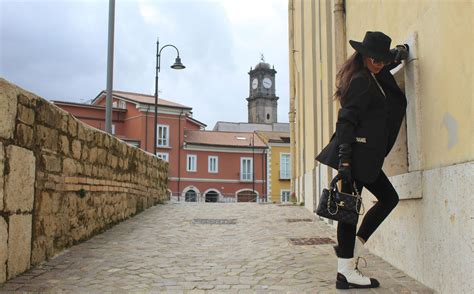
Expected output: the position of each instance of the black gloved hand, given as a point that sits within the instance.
(400, 52)
(344, 169)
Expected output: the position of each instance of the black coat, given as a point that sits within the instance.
(369, 121)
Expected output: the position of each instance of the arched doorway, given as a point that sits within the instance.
(247, 196)
(212, 196)
(190, 196)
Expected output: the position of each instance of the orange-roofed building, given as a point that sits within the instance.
(203, 165)
(133, 120)
(221, 166)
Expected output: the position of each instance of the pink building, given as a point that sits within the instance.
(221, 166)
(203, 165)
(133, 119)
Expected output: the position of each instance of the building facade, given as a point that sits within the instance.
(278, 165)
(429, 234)
(203, 165)
(221, 167)
(133, 119)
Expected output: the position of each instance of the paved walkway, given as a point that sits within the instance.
(167, 249)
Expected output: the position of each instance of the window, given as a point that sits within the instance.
(114, 104)
(113, 129)
(191, 163)
(121, 104)
(246, 169)
(285, 166)
(190, 196)
(163, 136)
(162, 155)
(212, 164)
(285, 196)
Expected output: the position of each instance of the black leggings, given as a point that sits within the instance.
(387, 200)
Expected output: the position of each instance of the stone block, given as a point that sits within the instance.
(24, 135)
(48, 114)
(69, 166)
(106, 141)
(2, 167)
(20, 180)
(3, 249)
(102, 156)
(51, 163)
(8, 101)
(72, 126)
(409, 185)
(88, 169)
(87, 134)
(19, 244)
(93, 154)
(28, 99)
(46, 138)
(76, 149)
(124, 150)
(41, 247)
(64, 145)
(85, 153)
(26, 115)
(49, 225)
(112, 160)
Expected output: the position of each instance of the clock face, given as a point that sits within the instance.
(255, 83)
(267, 83)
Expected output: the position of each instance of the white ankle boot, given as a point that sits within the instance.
(348, 276)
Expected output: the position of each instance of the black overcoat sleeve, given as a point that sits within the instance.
(392, 65)
(355, 103)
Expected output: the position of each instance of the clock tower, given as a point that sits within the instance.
(262, 101)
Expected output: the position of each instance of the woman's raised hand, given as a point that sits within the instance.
(400, 52)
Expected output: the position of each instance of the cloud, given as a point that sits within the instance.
(58, 49)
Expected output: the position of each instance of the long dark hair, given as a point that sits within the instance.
(352, 65)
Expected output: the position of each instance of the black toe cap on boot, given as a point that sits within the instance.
(374, 283)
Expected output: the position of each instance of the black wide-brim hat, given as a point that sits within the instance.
(375, 45)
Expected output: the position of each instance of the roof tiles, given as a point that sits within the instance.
(232, 139)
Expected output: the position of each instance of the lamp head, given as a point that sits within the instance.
(177, 64)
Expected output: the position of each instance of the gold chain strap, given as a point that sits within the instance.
(358, 196)
(329, 201)
(359, 199)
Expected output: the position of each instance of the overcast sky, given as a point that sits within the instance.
(58, 50)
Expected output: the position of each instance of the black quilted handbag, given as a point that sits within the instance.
(340, 206)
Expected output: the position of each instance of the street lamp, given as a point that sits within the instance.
(253, 165)
(177, 65)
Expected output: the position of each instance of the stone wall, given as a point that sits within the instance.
(62, 181)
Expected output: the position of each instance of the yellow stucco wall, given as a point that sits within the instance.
(313, 76)
(441, 136)
(276, 184)
(446, 44)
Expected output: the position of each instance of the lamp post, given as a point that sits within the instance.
(177, 65)
(253, 165)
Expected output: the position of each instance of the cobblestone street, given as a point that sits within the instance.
(181, 248)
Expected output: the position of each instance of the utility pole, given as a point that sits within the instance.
(110, 68)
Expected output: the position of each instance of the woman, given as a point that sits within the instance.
(372, 110)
